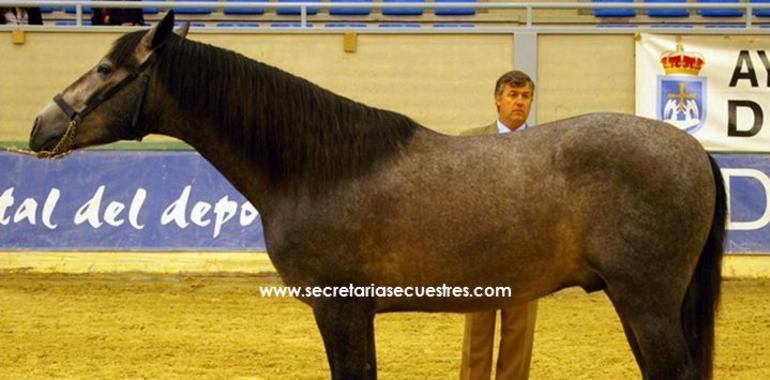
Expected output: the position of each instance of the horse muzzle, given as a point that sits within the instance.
(47, 129)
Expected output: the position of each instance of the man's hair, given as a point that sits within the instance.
(513, 78)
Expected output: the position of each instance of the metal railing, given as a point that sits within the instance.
(527, 7)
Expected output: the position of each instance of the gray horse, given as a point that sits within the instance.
(350, 194)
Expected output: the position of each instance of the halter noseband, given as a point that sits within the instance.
(77, 116)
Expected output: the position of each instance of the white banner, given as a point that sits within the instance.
(716, 88)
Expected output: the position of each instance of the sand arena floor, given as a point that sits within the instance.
(218, 327)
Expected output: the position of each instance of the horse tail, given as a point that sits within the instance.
(702, 299)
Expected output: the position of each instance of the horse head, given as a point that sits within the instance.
(106, 103)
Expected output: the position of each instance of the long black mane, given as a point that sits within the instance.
(298, 132)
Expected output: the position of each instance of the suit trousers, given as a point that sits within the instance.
(517, 332)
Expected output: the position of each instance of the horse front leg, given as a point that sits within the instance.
(347, 329)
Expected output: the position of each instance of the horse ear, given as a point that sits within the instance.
(160, 32)
(182, 30)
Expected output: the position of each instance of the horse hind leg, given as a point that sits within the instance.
(347, 329)
(653, 326)
(648, 298)
(635, 349)
(371, 350)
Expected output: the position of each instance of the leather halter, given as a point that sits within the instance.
(132, 132)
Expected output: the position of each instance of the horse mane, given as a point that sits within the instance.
(299, 133)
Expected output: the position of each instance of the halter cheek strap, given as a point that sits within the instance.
(140, 106)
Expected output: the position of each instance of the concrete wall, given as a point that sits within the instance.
(584, 73)
(443, 81)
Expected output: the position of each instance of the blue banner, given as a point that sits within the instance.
(160, 201)
(747, 179)
(148, 201)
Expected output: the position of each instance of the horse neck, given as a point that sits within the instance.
(202, 134)
(282, 131)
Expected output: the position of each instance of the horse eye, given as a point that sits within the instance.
(104, 69)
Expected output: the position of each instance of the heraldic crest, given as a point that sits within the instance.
(681, 95)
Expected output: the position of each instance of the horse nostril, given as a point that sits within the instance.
(35, 127)
(34, 145)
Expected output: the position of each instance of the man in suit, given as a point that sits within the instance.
(513, 97)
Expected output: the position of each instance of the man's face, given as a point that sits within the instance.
(513, 105)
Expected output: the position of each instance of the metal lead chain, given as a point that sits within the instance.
(62, 149)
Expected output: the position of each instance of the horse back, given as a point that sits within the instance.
(525, 210)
